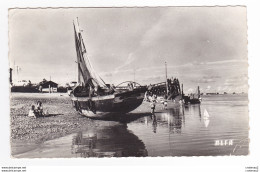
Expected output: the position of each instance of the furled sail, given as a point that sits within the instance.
(87, 75)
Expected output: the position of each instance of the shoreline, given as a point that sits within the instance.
(28, 133)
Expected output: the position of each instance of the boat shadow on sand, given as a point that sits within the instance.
(45, 116)
(52, 115)
(130, 117)
(133, 116)
(123, 118)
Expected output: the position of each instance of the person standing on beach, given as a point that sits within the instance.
(165, 104)
(153, 103)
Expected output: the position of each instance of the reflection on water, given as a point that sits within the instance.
(85, 146)
(206, 118)
(193, 130)
(174, 118)
(113, 141)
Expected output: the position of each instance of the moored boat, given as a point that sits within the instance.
(193, 98)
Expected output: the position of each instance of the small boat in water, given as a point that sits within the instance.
(92, 97)
(193, 98)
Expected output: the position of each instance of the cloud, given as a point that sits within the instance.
(204, 45)
(152, 78)
(208, 87)
(206, 79)
(108, 74)
(128, 61)
(236, 80)
(228, 84)
(227, 61)
(190, 90)
(203, 80)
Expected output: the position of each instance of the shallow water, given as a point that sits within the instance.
(178, 131)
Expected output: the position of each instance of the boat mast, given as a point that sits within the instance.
(86, 73)
(78, 61)
(182, 91)
(198, 91)
(79, 73)
(166, 78)
(134, 74)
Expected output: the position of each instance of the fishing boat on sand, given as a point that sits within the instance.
(92, 97)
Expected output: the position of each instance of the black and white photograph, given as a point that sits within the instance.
(128, 82)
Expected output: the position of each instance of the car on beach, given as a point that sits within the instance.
(22, 83)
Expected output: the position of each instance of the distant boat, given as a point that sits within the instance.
(193, 98)
(92, 97)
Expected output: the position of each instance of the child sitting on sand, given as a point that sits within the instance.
(39, 110)
(32, 112)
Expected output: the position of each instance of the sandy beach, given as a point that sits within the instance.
(62, 119)
(28, 133)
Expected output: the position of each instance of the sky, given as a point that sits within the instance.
(203, 46)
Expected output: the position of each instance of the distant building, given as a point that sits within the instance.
(211, 93)
(48, 86)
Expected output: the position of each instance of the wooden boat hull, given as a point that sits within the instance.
(194, 101)
(101, 106)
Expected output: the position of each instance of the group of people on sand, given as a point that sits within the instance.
(37, 111)
(154, 101)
